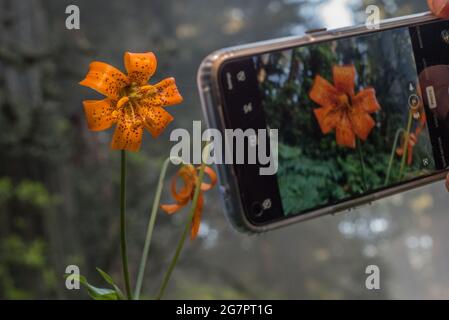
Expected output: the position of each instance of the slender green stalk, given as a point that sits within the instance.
(184, 234)
(406, 143)
(151, 223)
(393, 151)
(362, 164)
(123, 224)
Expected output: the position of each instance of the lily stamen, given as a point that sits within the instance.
(147, 90)
(121, 103)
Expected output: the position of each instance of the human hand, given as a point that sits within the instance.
(439, 8)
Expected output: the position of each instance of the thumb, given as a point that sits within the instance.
(447, 182)
(439, 8)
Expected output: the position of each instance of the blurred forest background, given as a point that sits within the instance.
(327, 171)
(59, 182)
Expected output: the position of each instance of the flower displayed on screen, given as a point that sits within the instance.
(189, 176)
(412, 141)
(131, 103)
(342, 110)
(413, 137)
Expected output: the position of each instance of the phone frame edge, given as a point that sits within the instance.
(212, 106)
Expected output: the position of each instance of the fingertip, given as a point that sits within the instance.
(440, 8)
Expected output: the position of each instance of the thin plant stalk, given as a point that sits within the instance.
(406, 143)
(362, 164)
(123, 224)
(150, 228)
(393, 151)
(184, 234)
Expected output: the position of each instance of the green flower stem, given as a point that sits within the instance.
(362, 164)
(406, 143)
(393, 151)
(184, 234)
(151, 223)
(123, 224)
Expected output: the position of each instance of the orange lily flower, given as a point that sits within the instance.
(343, 110)
(413, 139)
(189, 176)
(131, 103)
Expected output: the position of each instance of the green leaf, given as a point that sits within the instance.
(105, 276)
(95, 292)
(100, 293)
(109, 280)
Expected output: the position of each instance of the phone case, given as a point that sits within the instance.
(207, 80)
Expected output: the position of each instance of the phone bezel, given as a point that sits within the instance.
(212, 104)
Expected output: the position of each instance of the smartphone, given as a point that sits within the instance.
(360, 114)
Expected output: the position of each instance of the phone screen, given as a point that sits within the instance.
(354, 116)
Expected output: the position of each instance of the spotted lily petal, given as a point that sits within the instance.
(105, 79)
(165, 94)
(345, 133)
(366, 99)
(323, 93)
(213, 179)
(168, 92)
(171, 208)
(344, 78)
(362, 123)
(127, 135)
(328, 118)
(187, 173)
(155, 119)
(99, 114)
(140, 66)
